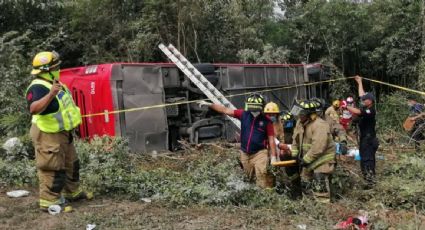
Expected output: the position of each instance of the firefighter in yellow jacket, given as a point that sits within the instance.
(54, 116)
(332, 116)
(314, 147)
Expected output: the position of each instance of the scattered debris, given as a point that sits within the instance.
(90, 226)
(18, 193)
(302, 226)
(146, 200)
(11, 144)
(354, 153)
(54, 209)
(154, 154)
(359, 222)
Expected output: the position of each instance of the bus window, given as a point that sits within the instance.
(84, 127)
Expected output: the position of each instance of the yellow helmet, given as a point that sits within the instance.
(44, 62)
(255, 103)
(305, 107)
(286, 116)
(271, 107)
(336, 103)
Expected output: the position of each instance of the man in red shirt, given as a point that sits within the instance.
(257, 138)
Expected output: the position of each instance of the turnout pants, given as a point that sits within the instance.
(318, 181)
(255, 165)
(293, 173)
(368, 147)
(57, 165)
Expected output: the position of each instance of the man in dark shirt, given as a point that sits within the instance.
(35, 93)
(368, 142)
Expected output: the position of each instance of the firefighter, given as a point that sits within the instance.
(295, 189)
(288, 121)
(314, 148)
(368, 142)
(257, 134)
(271, 110)
(346, 116)
(333, 111)
(415, 114)
(54, 116)
(332, 115)
(321, 105)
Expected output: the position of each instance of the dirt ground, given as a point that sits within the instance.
(108, 213)
(22, 213)
(117, 213)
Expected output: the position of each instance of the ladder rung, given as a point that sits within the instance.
(197, 78)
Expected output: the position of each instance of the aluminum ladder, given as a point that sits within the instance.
(198, 79)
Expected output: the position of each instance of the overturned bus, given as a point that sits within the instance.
(121, 99)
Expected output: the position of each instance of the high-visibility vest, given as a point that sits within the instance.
(65, 119)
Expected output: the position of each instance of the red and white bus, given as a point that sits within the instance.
(111, 87)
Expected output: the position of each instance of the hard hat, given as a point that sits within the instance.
(286, 116)
(255, 103)
(320, 103)
(350, 100)
(336, 103)
(305, 107)
(368, 96)
(271, 107)
(45, 61)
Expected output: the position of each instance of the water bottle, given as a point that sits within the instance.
(357, 155)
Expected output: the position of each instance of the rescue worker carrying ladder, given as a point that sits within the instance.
(54, 116)
(314, 148)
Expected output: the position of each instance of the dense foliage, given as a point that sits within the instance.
(381, 39)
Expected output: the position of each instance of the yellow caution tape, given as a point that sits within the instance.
(396, 86)
(247, 93)
(228, 96)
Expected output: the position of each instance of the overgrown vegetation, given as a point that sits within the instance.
(211, 177)
(381, 40)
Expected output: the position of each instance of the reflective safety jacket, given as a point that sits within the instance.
(66, 118)
(337, 130)
(314, 144)
(278, 131)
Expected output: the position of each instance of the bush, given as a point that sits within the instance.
(108, 169)
(404, 183)
(23, 149)
(391, 114)
(16, 165)
(17, 173)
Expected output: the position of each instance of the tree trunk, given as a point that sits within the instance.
(178, 25)
(421, 78)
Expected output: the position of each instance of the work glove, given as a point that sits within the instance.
(302, 163)
(204, 104)
(273, 159)
(343, 147)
